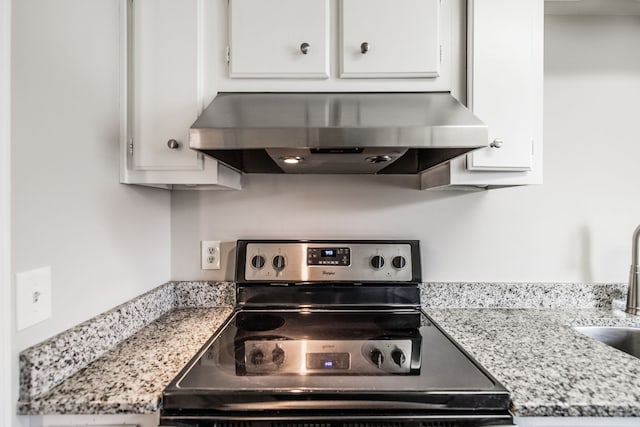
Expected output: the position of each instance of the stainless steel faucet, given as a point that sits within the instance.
(633, 296)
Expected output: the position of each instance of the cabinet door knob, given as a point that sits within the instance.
(173, 144)
(364, 47)
(304, 48)
(496, 143)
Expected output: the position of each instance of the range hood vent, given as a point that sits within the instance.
(336, 133)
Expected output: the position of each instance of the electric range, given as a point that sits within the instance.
(329, 333)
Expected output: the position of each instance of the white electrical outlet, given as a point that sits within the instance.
(210, 255)
(33, 297)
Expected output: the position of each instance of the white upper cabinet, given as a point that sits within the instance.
(279, 39)
(165, 91)
(502, 70)
(163, 68)
(292, 38)
(505, 85)
(389, 38)
(338, 45)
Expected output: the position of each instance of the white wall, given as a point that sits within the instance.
(575, 227)
(105, 242)
(6, 355)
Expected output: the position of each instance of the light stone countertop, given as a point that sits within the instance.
(120, 361)
(550, 369)
(130, 378)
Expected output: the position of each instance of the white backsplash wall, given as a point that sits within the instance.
(576, 227)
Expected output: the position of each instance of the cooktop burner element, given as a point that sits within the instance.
(259, 322)
(392, 322)
(331, 333)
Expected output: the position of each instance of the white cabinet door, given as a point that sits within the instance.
(279, 38)
(163, 68)
(503, 70)
(390, 38)
(506, 52)
(165, 83)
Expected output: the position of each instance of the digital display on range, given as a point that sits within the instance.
(340, 257)
(328, 360)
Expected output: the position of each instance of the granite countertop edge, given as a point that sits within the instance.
(591, 411)
(43, 407)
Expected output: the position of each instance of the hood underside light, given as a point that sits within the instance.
(292, 160)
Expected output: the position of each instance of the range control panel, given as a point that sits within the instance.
(302, 357)
(368, 261)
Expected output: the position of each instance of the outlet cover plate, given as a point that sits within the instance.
(33, 297)
(210, 255)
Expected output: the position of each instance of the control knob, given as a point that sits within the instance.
(257, 261)
(277, 355)
(377, 262)
(399, 262)
(398, 357)
(256, 357)
(278, 262)
(377, 357)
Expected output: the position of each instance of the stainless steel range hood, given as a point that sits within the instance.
(336, 133)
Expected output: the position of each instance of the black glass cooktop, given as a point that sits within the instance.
(331, 350)
(319, 363)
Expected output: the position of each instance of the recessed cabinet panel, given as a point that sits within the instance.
(502, 76)
(390, 38)
(279, 38)
(165, 83)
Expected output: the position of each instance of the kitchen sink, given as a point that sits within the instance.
(626, 339)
